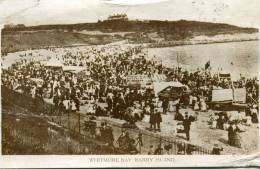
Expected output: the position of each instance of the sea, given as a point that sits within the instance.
(237, 58)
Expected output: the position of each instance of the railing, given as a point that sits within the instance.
(76, 121)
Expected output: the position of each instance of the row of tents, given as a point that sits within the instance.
(174, 89)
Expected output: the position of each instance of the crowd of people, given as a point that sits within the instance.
(107, 68)
(104, 80)
(234, 123)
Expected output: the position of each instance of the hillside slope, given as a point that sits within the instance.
(22, 38)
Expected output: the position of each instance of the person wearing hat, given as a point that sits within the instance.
(110, 103)
(151, 150)
(102, 130)
(158, 150)
(108, 134)
(167, 149)
(152, 120)
(216, 149)
(186, 125)
(254, 114)
(120, 138)
(165, 105)
(125, 142)
(158, 120)
(232, 134)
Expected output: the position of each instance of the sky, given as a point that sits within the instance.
(244, 13)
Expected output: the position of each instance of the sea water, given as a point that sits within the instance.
(233, 57)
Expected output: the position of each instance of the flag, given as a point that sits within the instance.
(207, 65)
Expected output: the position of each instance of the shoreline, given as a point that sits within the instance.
(146, 45)
(189, 43)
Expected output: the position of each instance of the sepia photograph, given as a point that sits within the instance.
(121, 77)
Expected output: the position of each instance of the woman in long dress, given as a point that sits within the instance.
(190, 100)
(237, 138)
(254, 115)
(73, 106)
(248, 120)
(230, 135)
(233, 136)
(203, 105)
(196, 106)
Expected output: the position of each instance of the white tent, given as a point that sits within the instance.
(54, 62)
(73, 68)
(159, 86)
(222, 95)
(236, 95)
(159, 78)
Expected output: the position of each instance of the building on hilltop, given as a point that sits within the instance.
(121, 17)
(7, 26)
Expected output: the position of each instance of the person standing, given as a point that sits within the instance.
(158, 120)
(121, 105)
(231, 134)
(254, 114)
(216, 150)
(109, 137)
(110, 103)
(152, 120)
(220, 122)
(186, 125)
(158, 150)
(151, 150)
(165, 106)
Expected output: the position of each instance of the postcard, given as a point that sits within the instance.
(129, 83)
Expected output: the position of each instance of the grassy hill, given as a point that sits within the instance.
(21, 38)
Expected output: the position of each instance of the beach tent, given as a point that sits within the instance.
(169, 89)
(74, 69)
(221, 95)
(240, 95)
(159, 78)
(159, 86)
(138, 79)
(224, 95)
(228, 99)
(54, 62)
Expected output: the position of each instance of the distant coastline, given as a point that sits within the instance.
(185, 43)
(147, 45)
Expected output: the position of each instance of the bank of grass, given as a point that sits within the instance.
(26, 134)
(23, 40)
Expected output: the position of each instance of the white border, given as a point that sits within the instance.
(69, 161)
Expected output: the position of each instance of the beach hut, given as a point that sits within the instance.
(171, 90)
(228, 99)
(73, 69)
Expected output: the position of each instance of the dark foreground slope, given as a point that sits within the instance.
(24, 133)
